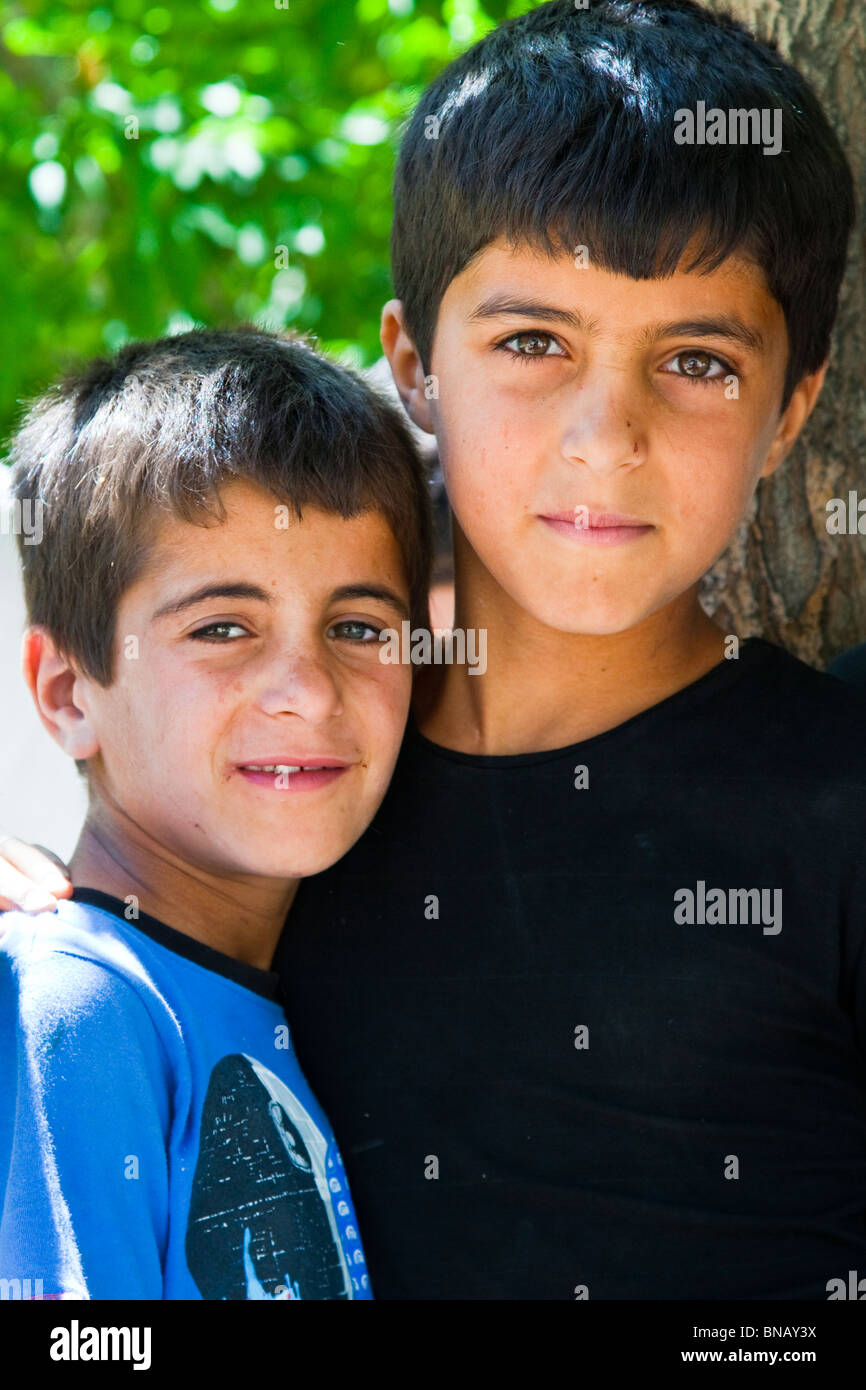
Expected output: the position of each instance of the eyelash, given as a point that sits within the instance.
(727, 369)
(357, 622)
(523, 357)
(203, 634)
(502, 345)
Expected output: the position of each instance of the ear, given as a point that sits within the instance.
(57, 691)
(794, 417)
(407, 368)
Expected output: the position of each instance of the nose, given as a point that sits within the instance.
(301, 683)
(603, 430)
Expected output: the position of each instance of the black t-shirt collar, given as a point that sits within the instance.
(264, 982)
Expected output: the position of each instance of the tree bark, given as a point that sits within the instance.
(784, 577)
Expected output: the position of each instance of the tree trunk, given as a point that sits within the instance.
(784, 576)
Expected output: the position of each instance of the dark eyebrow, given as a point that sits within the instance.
(722, 326)
(253, 591)
(377, 591)
(498, 304)
(728, 326)
(207, 591)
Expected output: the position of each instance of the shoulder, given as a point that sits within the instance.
(811, 717)
(76, 967)
(48, 942)
(816, 690)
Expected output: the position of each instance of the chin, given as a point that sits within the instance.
(297, 862)
(588, 620)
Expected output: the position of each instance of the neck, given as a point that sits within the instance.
(240, 915)
(547, 689)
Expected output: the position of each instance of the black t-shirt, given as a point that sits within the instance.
(563, 1055)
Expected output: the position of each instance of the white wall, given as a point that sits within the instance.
(41, 795)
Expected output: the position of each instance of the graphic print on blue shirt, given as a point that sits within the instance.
(270, 1214)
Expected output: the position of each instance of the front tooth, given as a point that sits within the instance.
(276, 767)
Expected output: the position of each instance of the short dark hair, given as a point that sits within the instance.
(158, 429)
(557, 129)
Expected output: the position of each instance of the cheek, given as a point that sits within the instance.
(392, 692)
(489, 473)
(161, 708)
(708, 486)
(706, 521)
(378, 709)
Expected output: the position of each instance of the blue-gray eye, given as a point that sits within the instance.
(353, 630)
(217, 632)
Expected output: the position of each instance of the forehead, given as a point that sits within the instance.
(262, 536)
(570, 280)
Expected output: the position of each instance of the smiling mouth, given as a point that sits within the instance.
(293, 777)
(286, 767)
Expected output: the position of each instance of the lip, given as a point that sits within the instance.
(284, 759)
(588, 527)
(601, 521)
(321, 771)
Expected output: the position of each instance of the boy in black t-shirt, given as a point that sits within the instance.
(601, 953)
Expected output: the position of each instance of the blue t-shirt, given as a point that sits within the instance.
(158, 1139)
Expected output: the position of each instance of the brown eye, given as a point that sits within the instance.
(695, 363)
(532, 344)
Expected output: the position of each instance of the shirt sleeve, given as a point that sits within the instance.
(84, 1133)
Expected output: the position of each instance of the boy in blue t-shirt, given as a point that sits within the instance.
(229, 523)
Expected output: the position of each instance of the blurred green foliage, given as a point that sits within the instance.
(201, 162)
